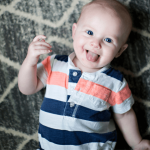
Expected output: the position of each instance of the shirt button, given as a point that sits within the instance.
(72, 104)
(75, 73)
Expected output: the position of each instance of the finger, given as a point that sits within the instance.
(42, 47)
(37, 38)
(42, 40)
(42, 51)
(43, 44)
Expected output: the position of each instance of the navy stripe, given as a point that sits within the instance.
(91, 115)
(53, 106)
(73, 78)
(63, 137)
(114, 74)
(62, 58)
(63, 108)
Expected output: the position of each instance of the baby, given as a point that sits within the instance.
(82, 88)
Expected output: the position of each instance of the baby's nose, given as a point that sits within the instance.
(95, 45)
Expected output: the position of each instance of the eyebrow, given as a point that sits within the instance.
(85, 26)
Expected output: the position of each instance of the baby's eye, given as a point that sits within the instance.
(108, 40)
(89, 32)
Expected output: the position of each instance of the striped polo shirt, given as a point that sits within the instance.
(75, 113)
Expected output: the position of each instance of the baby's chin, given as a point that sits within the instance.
(89, 67)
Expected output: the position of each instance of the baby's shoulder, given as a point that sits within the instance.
(61, 58)
(116, 74)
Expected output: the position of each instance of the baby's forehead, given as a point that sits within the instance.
(111, 6)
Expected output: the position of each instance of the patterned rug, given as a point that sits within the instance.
(20, 22)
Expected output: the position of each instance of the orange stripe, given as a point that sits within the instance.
(93, 89)
(120, 97)
(46, 64)
(55, 78)
(58, 78)
(102, 92)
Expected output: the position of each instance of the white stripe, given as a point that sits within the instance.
(56, 92)
(71, 87)
(123, 107)
(88, 101)
(60, 66)
(123, 84)
(46, 145)
(74, 124)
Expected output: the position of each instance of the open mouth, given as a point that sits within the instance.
(92, 56)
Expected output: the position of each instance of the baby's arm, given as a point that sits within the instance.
(27, 79)
(128, 125)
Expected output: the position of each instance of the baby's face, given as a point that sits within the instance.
(98, 37)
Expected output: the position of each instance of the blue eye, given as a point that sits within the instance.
(89, 32)
(108, 40)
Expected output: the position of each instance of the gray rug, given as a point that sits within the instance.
(20, 22)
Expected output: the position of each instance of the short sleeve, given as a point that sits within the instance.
(122, 100)
(44, 69)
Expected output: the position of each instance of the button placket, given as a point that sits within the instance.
(70, 106)
(74, 76)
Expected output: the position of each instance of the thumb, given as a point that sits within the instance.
(37, 38)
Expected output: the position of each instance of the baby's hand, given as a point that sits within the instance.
(143, 145)
(36, 48)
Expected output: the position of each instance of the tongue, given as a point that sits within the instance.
(91, 56)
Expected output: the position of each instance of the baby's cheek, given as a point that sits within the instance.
(83, 59)
(81, 40)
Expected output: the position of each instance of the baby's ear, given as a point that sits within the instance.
(122, 49)
(74, 26)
